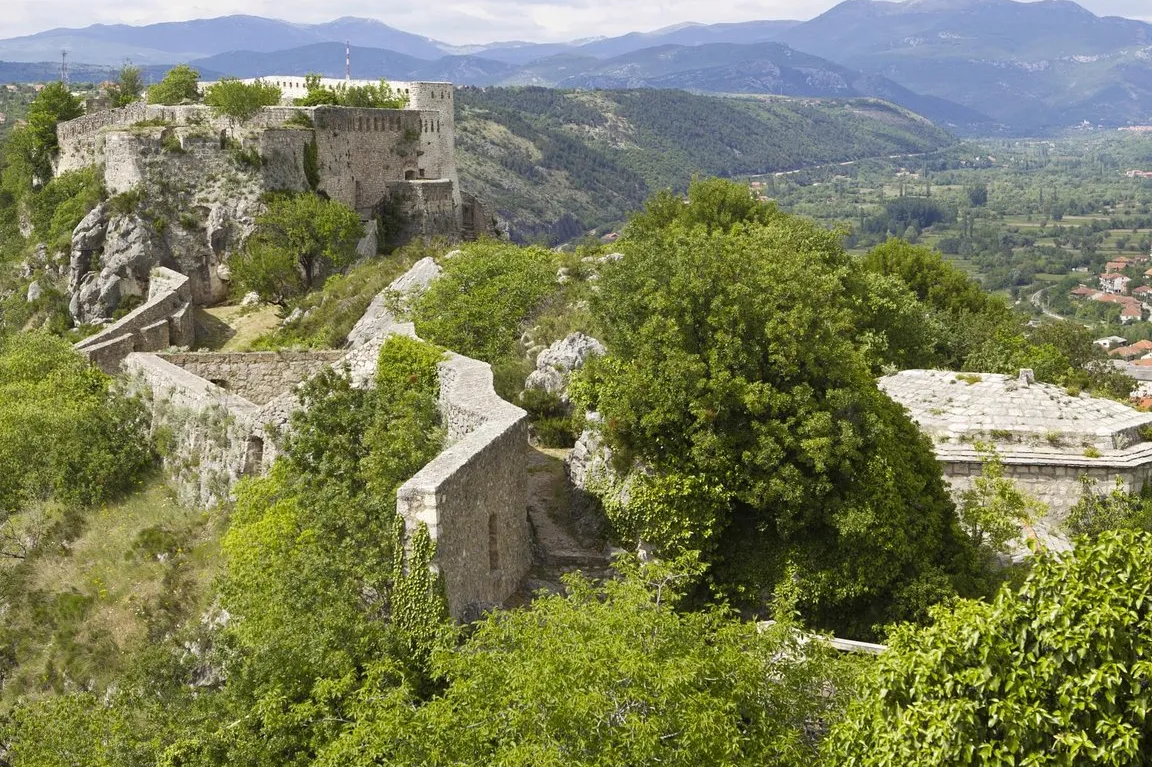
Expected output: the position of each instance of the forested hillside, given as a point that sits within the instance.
(557, 164)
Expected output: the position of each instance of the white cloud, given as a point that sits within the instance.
(459, 21)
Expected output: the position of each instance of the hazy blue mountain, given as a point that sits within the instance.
(186, 40)
(326, 59)
(1034, 66)
(859, 31)
(765, 68)
(681, 34)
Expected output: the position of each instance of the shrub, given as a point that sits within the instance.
(65, 432)
(477, 305)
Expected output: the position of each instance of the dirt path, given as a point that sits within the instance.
(556, 548)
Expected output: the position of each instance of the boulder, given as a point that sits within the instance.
(34, 291)
(554, 365)
(131, 249)
(250, 299)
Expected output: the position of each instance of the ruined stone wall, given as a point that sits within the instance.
(258, 377)
(473, 496)
(1055, 484)
(208, 438)
(164, 320)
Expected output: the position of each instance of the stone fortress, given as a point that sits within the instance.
(1047, 438)
(219, 417)
(200, 179)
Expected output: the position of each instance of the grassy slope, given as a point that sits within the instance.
(129, 573)
(557, 163)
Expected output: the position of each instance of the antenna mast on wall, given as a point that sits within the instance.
(347, 61)
(64, 67)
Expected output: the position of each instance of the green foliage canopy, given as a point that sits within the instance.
(181, 84)
(65, 434)
(372, 96)
(297, 240)
(238, 100)
(477, 305)
(611, 676)
(732, 374)
(1054, 673)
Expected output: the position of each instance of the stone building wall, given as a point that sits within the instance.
(258, 377)
(164, 320)
(1055, 483)
(473, 496)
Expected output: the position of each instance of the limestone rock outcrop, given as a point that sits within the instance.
(555, 365)
(378, 316)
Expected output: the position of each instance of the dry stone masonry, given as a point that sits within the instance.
(199, 179)
(218, 417)
(1047, 438)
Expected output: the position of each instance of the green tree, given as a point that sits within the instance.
(297, 240)
(1097, 512)
(180, 85)
(1051, 673)
(128, 88)
(977, 195)
(238, 100)
(993, 511)
(611, 675)
(477, 305)
(733, 375)
(65, 433)
(36, 144)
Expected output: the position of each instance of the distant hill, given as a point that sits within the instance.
(683, 34)
(762, 68)
(1034, 66)
(558, 163)
(326, 59)
(175, 42)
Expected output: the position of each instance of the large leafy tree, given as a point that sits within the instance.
(733, 375)
(29, 150)
(181, 84)
(1056, 672)
(611, 675)
(238, 100)
(299, 238)
(65, 434)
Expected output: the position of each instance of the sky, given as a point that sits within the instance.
(458, 22)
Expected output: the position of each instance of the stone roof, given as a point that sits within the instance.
(1020, 417)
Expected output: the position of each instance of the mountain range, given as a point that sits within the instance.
(975, 66)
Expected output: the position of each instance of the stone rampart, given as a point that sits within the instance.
(164, 320)
(473, 496)
(218, 418)
(208, 437)
(258, 377)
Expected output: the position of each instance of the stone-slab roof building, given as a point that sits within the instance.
(1046, 437)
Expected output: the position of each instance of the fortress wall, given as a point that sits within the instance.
(360, 150)
(1055, 484)
(283, 153)
(258, 377)
(428, 209)
(208, 438)
(473, 496)
(164, 320)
